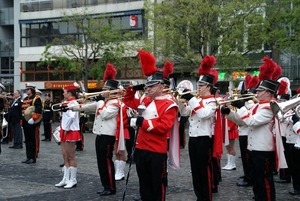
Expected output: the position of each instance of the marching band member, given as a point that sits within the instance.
(154, 126)
(47, 118)
(32, 126)
(282, 93)
(250, 83)
(69, 134)
(294, 165)
(120, 161)
(105, 127)
(261, 144)
(202, 117)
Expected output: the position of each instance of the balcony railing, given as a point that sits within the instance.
(7, 16)
(42, 5)
(7, 48)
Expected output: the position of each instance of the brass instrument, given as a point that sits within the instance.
(107, 94)
(28, 113)
(117, 93)
(237, 98)
(280, 109)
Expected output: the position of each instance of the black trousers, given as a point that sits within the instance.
(130, 142)
(284, 174)
(104, 150)
(47, 129)
(243, 140)
(182, 124)
(200, 159)
(261, 165)
(18, 135)
(31, 134)
(294, 165)
(152, 172)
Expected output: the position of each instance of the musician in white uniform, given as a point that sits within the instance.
(105, 127)
(261, 145)
(202, 117)
(69, 135)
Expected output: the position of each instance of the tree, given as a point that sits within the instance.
(187, 30)
(97, 40)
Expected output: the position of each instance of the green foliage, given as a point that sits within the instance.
(187, 30)
(96, 41)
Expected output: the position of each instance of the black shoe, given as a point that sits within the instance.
(243, 184)
(107, 192)
(18, 147)
(215, 190)
(137, 199)
(25, 161)
(242, 177)
(283, 181)
(12, 147)
(294, 192)
(46, 140)
(62, 165)
(30, 161)
(78, 149)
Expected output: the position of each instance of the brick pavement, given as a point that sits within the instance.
(23, 182)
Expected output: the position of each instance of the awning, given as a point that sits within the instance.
(28, 57)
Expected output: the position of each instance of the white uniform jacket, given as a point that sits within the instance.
(242, 127)
(290, 135)
(70, 119)
(106, 115)
(261, 122)
(202, 116)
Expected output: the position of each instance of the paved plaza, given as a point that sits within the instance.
(22, 182)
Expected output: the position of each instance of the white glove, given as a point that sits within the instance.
(133, 122)
(31, 121)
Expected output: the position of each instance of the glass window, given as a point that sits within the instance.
(25, 29)
(72, 28)
(41, 76)
(29, 77)
(30, 66)
(55, 76)
(35, 30)
(63, 27)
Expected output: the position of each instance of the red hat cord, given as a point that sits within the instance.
(147, 61)
(267, 69)
(283, 88)
(298, 90)
(168, 69)
(110, 72)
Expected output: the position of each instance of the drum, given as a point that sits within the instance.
(56, 135)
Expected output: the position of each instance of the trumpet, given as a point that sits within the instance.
(110, 94)
(237, 97)
(182, 100)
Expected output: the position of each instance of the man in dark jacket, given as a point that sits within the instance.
(14, 117)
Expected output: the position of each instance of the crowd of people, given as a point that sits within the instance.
(148, 121)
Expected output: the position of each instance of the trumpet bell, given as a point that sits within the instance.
(280, 109)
